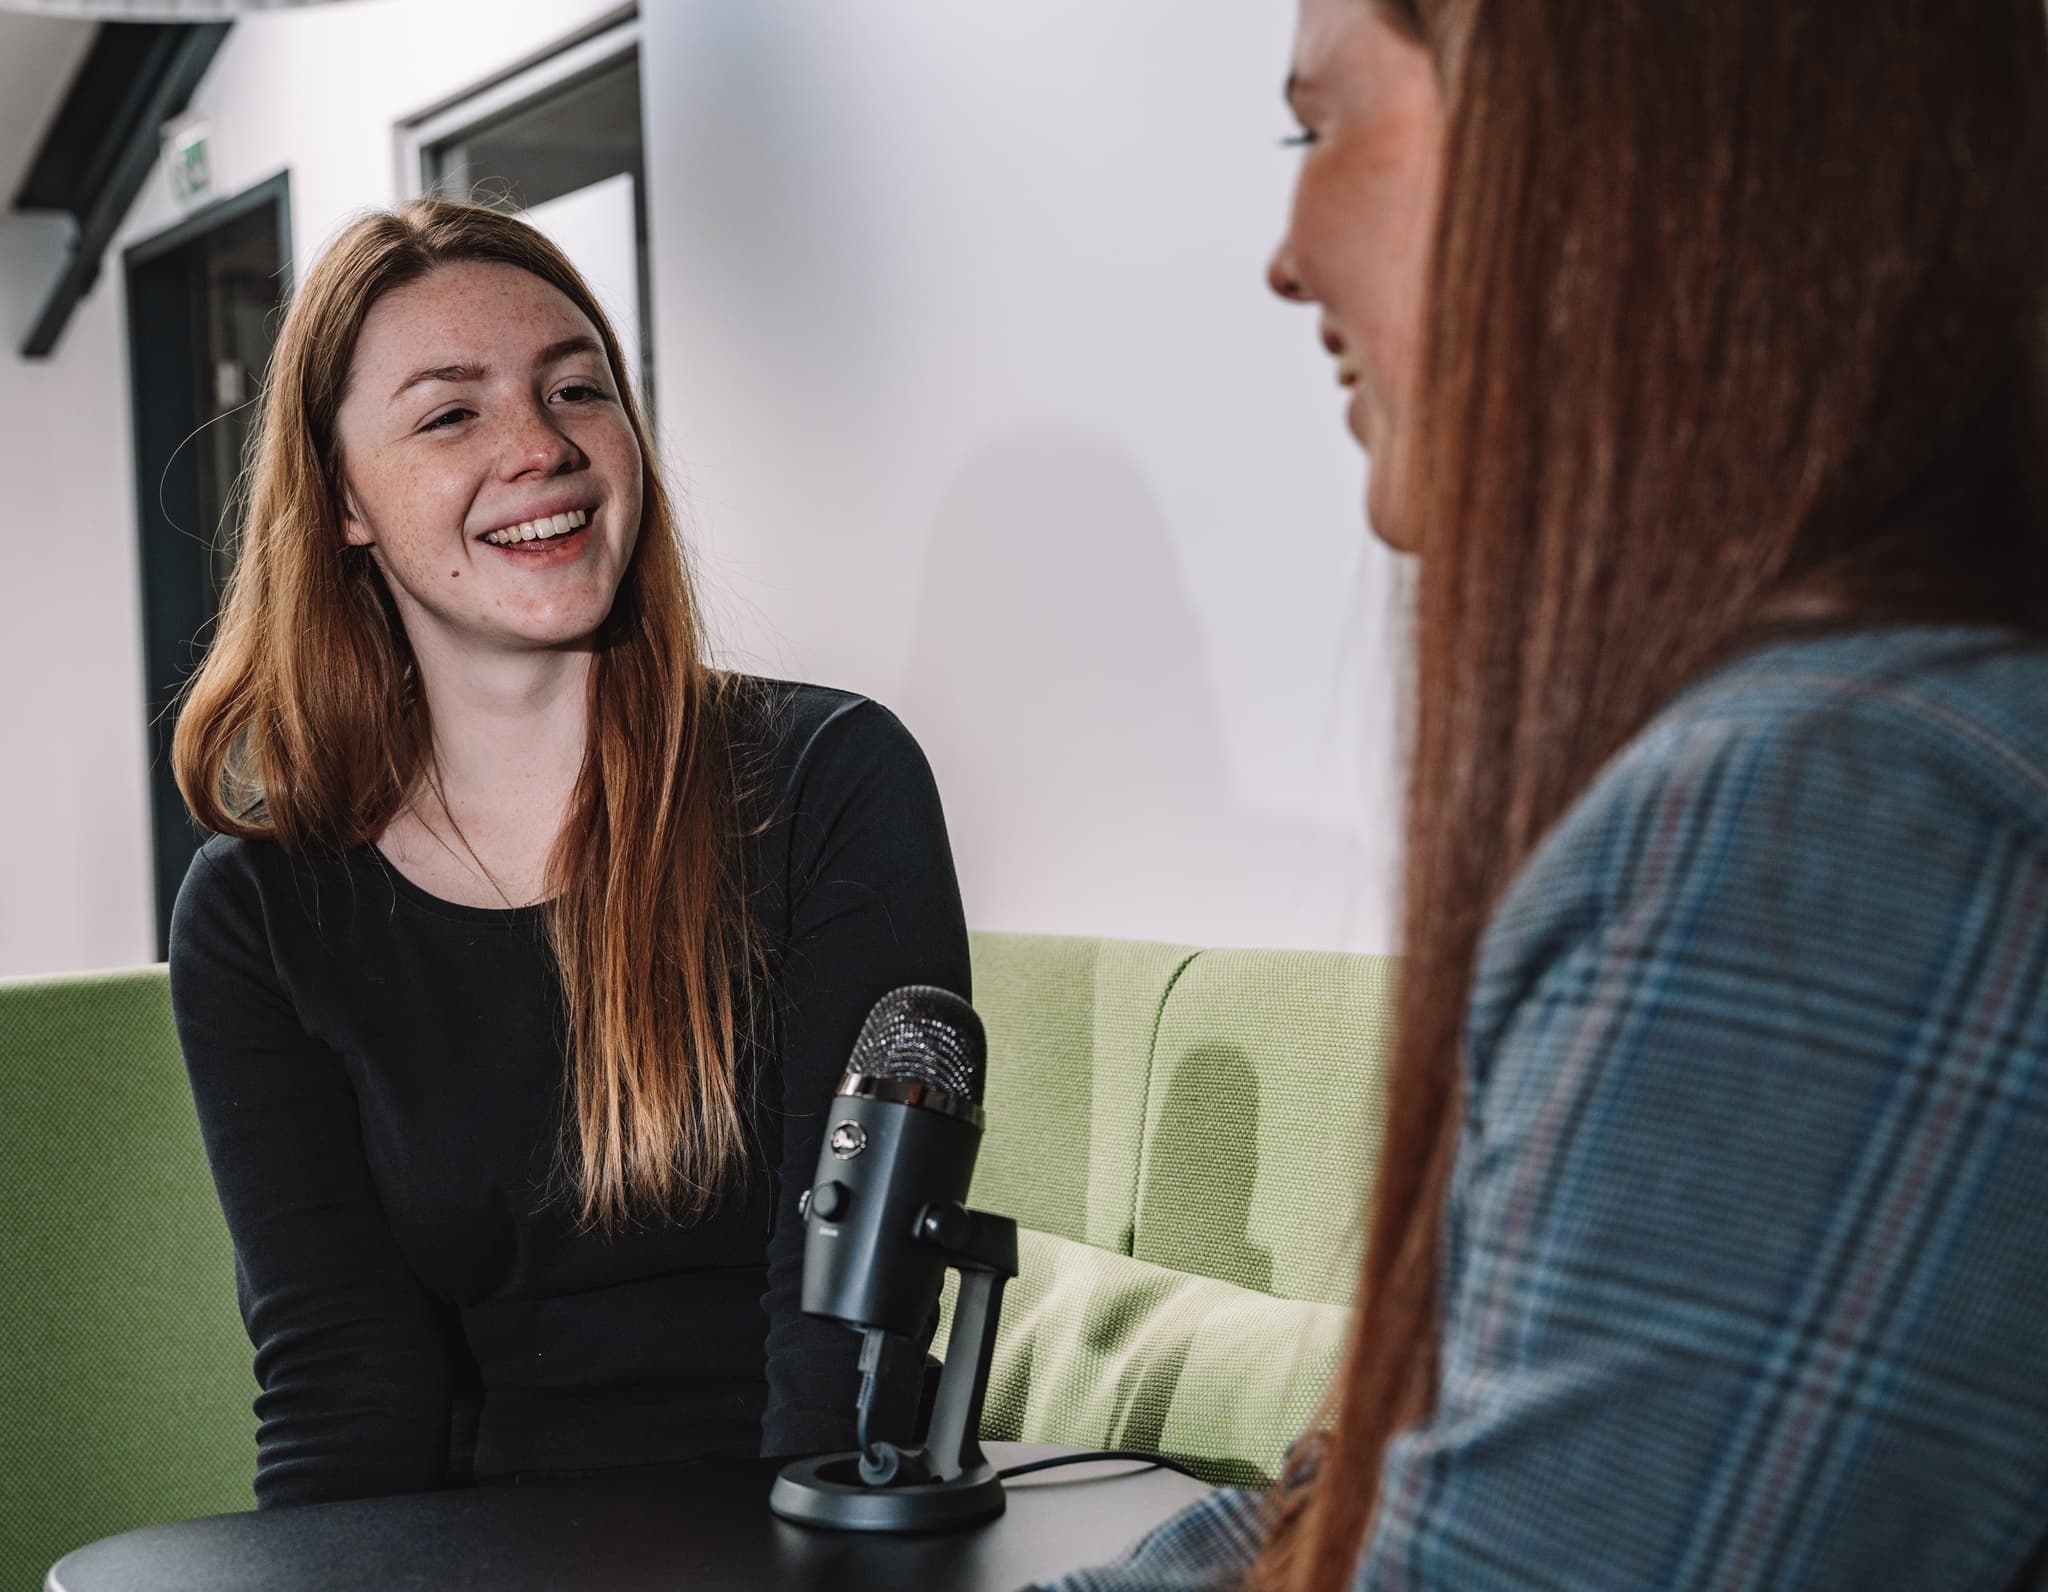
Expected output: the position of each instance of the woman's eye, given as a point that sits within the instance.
(1300, 140)
(580, 392)
(446, 418)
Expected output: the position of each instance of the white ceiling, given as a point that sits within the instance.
(38, 56)
(150, 10)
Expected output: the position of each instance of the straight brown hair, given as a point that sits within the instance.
(1736, 324)
(306, 725)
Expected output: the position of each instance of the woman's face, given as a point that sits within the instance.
(488, 464)
(1359, 237)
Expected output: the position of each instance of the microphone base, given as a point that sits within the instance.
(827, 1491)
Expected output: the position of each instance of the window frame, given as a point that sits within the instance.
(593, 50)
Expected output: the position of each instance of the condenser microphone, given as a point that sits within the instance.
(903, 1133)
(884, 1218)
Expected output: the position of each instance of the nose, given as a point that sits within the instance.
(1282, 277)
(536, 445)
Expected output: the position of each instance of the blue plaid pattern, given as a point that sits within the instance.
(1746, 1265)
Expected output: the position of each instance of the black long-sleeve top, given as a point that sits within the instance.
(379, 1076)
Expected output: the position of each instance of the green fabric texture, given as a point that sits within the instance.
(1103, 1351)
(125, 1381)
(1186, 1140)
(1263, 1120)
(1070, 1026)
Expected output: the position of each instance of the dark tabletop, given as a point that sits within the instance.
(687, 1527)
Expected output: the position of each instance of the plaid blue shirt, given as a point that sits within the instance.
(1746, 1263)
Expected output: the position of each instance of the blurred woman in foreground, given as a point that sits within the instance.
(1698, 351)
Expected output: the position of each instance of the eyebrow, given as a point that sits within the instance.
(554, 353)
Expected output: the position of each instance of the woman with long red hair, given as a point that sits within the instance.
(517, 976)
(1698, 348)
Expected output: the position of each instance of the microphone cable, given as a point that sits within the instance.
(879, 1461)
(1156, 1461)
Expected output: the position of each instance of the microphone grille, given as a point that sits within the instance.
(923, 1034)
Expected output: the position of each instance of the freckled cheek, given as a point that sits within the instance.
(624, 467)
(434, 506)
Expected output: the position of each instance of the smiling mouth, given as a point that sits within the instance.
(544, 529)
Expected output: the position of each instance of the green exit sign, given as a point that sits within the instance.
(186, 160)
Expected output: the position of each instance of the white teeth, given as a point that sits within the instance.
(537, 530)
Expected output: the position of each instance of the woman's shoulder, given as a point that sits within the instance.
(1949, 715)
(220, 911)
(1860, 778)
(252, 887)
(229, 869)
(796, 730)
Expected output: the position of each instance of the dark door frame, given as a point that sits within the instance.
(178, 600)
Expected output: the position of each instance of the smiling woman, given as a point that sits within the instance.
(522, 427)
(514, 981)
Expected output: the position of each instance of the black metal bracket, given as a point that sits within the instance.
(946, 1482)
(102, 144)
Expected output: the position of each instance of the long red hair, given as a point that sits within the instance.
(305, 725)
(1736, 317)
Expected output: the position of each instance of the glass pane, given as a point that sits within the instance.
(567, 138)
(570, 137)
(236, 284)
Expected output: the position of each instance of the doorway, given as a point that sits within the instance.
(204, 301)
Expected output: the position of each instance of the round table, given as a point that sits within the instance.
(685, 1527)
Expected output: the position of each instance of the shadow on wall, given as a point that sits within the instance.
(1060, 686)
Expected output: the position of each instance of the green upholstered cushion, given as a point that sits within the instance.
(1187, 1142)
(1263, 1119)
(1104, 1351)
(125, 1380)
(1070, 1025)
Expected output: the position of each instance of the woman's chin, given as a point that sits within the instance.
(1383, 516)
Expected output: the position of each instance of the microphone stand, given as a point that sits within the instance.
(946, 1481)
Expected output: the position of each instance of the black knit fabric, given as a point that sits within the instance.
(379, 1076)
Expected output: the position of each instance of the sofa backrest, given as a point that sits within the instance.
(1263, 1114)
(1071, 1026)
(125, 1377)
(1187, 1140)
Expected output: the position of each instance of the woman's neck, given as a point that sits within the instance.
(509, 738)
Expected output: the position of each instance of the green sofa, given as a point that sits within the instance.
(1183, 1136)
(1186, 1141)
(125, 1380)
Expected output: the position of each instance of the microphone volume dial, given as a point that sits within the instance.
(829, 1201)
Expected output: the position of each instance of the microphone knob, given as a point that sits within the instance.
(943, 1223)
(828, 1201)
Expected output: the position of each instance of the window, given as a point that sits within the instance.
(561, 139)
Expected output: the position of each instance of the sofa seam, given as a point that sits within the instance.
(1145, 1098)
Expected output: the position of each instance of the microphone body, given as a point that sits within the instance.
(894, 1148)
(884, 1219)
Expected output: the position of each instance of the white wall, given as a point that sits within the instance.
(978, 404)
(74, 844)
(983, 409)
(317, 91)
